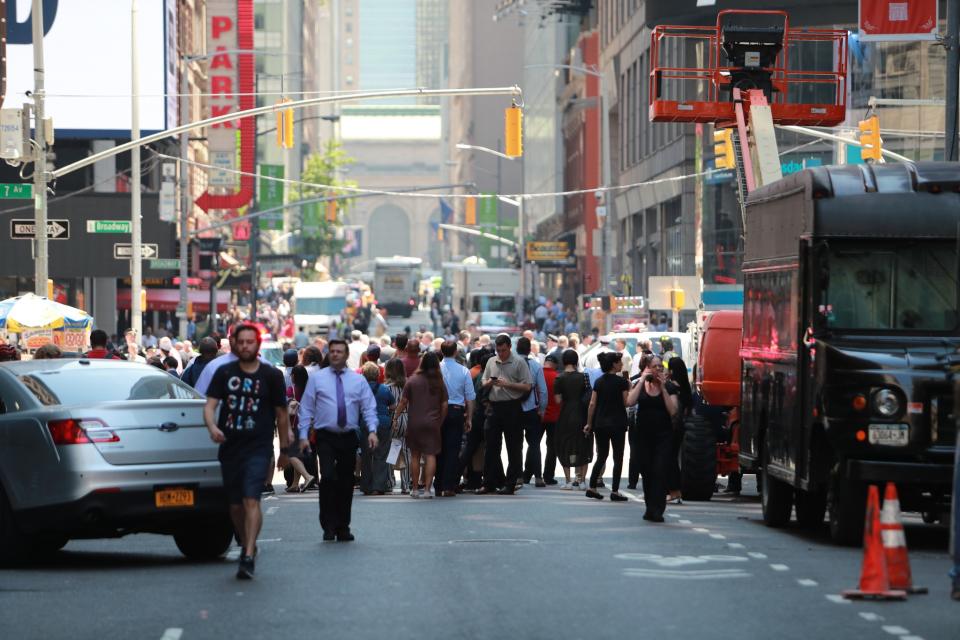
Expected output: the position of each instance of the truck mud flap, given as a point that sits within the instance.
(900, 472)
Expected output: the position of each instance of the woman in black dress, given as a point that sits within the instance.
(655, 411)
(574, 447)
(607, 419)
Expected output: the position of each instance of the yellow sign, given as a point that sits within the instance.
(558, 252)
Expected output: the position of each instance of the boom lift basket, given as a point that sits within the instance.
(748, 50)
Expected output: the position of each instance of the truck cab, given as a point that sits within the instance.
(850, 315)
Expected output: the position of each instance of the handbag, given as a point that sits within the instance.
(398, 422)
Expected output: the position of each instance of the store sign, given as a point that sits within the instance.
(910, 20)
(556, 254)
(86, 50)
(223, 74)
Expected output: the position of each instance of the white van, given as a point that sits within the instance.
(318, 304)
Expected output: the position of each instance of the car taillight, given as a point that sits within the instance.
(80, 432)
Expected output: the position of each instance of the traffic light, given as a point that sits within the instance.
(723, 149)
(677, 298)
(284, 125)
(331, 210)
(870, 139)
(513, 131)
(49, 289)
(143, 299)
(470, 214)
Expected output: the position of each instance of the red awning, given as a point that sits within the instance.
(168, 299)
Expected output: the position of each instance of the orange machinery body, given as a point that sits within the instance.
(718, 378)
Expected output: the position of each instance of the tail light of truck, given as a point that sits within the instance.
(82, 431)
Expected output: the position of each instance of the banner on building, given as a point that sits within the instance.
(551, 254)
(270, 196)
(904, 20)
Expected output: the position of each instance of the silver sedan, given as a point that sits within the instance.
(104, 448)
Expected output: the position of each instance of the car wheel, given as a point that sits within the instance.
(776, 496)
(205, 540)
(811, 507)
(698, 461)
(15, 547)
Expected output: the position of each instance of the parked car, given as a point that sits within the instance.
(104, 448)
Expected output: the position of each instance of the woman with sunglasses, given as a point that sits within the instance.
(655, 411)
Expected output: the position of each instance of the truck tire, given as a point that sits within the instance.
(776, 496)
(811, 507)
(205, 541)
(846, 507)
(15, 547)
(698, 459)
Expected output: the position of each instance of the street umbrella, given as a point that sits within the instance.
(30, 312)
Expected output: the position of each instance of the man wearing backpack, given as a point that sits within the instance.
(533, 406)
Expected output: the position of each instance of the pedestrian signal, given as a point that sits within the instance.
(284, 125)
(723, 149)
(513, 131)
(870, 141)
(331, 210)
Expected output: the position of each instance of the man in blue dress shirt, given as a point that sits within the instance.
(460, 397)
(332, 404)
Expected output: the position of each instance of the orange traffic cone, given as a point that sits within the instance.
(874, 583)
(895, 543)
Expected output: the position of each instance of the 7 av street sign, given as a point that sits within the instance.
(23, 229)
(124, 251)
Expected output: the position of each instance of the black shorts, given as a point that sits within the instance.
(245, 475)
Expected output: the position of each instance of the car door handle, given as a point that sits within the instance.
(169, 426)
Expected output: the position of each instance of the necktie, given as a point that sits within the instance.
(341, 402)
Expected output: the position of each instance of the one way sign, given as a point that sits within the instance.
(124, 251)
(23, 229)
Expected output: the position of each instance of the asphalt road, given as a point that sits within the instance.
(545, 563)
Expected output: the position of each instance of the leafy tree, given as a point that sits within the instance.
(318, 235)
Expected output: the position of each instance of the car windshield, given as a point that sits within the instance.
(272, 354)
(488, 303)
(319, 306)
(904, 287)
(497, 319)
(85, 386)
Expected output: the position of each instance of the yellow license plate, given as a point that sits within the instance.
(177, 497)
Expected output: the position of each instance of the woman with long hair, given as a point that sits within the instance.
(655, 411)
(425, 401)
(607, 419)
(574, 447)
(298, 459)
(395, 377)
(678, 384)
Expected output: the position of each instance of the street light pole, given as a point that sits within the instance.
(40, 270)
(184, 200)
(136, 259)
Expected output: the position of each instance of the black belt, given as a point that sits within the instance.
(456, 406)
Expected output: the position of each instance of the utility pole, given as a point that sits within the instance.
(952, 43)
(41, 255)
(136, 259)
(185, 204)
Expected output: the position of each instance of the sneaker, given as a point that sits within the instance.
(245, 570)
(566, 486)
(575, 485)
(677, 500)
(268, 490)
(414, 494)
(427, 495)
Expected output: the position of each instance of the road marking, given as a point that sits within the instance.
(807, 582)
(705, 574)
(701, 530)
(718, 536)
(233, 554)
(272, 510)
(736, 545)
(837, 598)
(684, 522)
(756, 555)
(628, 494)
(672, 515)
(895, 630)
(780, 567)
(173, 633)
(869, 616)
(911, 637)
(677, 561)
(270, 540)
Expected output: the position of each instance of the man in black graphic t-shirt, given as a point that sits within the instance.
(252, 401)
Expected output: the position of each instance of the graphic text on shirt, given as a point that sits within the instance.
(243, 402)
